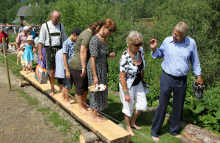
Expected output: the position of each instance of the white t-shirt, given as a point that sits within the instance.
(55, 40)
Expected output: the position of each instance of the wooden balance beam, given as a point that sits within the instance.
(108, 131)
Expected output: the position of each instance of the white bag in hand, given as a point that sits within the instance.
(42, 76)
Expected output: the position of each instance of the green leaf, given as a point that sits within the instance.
(217, 115)
(199, 108)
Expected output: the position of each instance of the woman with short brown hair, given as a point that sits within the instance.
(77, 66)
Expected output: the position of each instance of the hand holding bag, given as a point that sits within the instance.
(42, 76)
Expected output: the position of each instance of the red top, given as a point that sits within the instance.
(3, 34)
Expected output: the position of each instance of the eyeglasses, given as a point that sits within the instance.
(138, 45)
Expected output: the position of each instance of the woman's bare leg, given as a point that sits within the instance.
(128, 126)
(133, 120)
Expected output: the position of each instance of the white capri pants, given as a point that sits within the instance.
(138, 97)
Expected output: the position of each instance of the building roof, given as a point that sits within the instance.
(24, 11)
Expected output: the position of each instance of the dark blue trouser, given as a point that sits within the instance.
(169, 84)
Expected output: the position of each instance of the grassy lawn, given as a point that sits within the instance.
(144, 120)
(114, 110)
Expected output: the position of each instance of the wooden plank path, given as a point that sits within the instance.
(108, 131)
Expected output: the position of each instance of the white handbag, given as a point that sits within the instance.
(43, 75)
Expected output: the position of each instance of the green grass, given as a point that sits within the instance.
(29, 99)
(52, 116)
(12, 60)
(144, 120)
(74, 138)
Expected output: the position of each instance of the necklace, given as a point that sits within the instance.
(135, 58)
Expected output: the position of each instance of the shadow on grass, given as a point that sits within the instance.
(114, 110)
(145, 118)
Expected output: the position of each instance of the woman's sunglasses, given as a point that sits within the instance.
(138, 45)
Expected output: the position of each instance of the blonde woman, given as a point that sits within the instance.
(132, 92)
(97, 67)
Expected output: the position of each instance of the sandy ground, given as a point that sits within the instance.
(20, 122)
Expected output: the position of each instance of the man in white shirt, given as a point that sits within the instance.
(52, 35)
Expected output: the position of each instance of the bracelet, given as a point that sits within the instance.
(126, 93)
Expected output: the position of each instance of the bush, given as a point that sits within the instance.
(205, 112)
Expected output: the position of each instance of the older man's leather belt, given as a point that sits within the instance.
(173, 75)
(53, 47)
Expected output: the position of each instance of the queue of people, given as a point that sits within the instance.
(81, 59)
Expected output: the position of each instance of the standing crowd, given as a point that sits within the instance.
(81, 59)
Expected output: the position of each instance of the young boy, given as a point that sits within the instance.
(62, 59)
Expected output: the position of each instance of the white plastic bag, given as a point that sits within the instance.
(42, 76)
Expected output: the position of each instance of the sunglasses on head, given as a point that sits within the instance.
(138, 45)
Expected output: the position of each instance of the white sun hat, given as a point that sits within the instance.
(26, 28)
(29, 38)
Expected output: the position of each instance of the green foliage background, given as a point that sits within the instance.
(201, 15)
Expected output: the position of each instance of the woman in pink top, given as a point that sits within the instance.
(21, 40)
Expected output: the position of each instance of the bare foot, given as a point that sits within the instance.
(68, 104)
(83, 109)
(60, 90)
(89, 109)
(86, 106)
(130, 131)
(97, 117)
(64, 97)
(52, 93)
(156, 139)
(72, 101)
(136, 127)
(67, 98)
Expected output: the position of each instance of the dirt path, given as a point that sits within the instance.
(20, 122)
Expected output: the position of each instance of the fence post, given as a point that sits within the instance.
(6, 62)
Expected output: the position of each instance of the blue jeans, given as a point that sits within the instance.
(168, 84)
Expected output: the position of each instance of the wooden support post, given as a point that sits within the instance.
(88, 137)
(6, 62)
